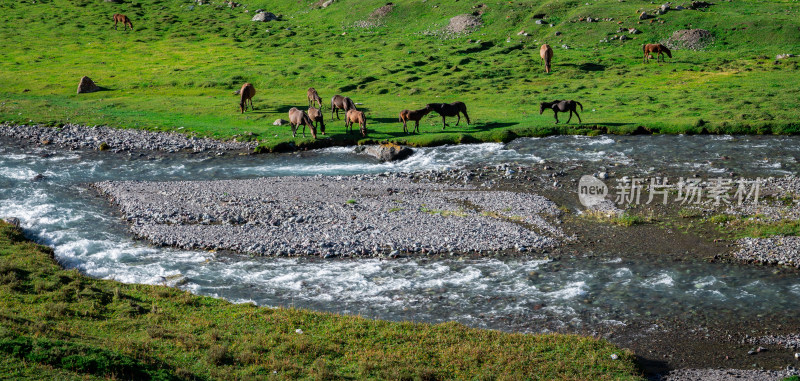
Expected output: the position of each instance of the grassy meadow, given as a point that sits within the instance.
(178, 69)
(59, 324)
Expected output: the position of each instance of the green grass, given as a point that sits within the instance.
(59, 324)
(179, 68)
(753, 227)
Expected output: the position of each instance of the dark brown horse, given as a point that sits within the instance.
(562, 106)
(339, 102)
(246, 93)
(313, 97)
(355, 116)
(415, 115)
(126, 22)
(316, 116)
(655, 48)
(298, 117)
(449, 109)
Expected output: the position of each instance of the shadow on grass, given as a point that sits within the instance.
(588, 66)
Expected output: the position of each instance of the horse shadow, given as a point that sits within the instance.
(386, 120)
(586, 66)
(492, 125)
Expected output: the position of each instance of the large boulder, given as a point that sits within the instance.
(386, 152)
(86, 85)
(264, 17)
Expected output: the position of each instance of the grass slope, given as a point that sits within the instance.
(181, 64)
(59, 324)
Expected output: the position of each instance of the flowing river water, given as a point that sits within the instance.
(518, 294)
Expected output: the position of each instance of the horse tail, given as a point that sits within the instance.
(579, 104)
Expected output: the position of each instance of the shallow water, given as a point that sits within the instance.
(514, 294)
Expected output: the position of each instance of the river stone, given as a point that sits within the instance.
(264, 16)
(387, 152)
(86, 85)
(12, 221)
(279, 122)
(644, 16)
(327, 3)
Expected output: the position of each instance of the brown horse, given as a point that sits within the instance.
(355, 116)
(313, 97)
(449, 109)
(298, 117)
(339, 102)
(546, 52)
(126, 22)
(415, 115)
(316, 116)
(655, 48)
(246, 93)
(562, 106)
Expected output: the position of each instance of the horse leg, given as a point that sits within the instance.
(416, 126)
(459, 118)
(294, 130)
(579, 117)
(555, 113)
(443, 123)
(405, 129)
(570, 116)
(304, 130)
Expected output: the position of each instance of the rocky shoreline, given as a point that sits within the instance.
(365, 215)
(73, 136)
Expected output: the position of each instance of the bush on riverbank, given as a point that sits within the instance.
(60, 324)
(178, 69)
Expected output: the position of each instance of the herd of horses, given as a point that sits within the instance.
(313, 117)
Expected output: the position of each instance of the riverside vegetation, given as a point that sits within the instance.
(178, 69)
(57, 323)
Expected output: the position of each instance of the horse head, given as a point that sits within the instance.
(542, 107)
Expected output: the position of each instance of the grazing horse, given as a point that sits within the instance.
(562, 106)
(339, 102)
(546, 52)
(355, 116)
(655, 48)
(449, 109)
(415, 115)
(313, 97)
(246, 93)
(298, 117)
(126, 22)
(316, 116)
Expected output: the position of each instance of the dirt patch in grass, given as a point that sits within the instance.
(463, 24)
(689, 39)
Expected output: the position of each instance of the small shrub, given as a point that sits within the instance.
(217, 354)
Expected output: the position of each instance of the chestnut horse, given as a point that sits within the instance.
(339, 102)
(449, 109)
(562, 106)
(298, 117)
(313, 97)
(546, 52)
(355, 116)
(126, 22)
(246, 93)
(316, 116)
(415, 115)
(655, 48)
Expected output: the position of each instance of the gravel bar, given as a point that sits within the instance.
(783, 251)
(727, 374)
(364, 215)
(83, 137)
